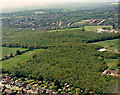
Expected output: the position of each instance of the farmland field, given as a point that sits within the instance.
(94, 28)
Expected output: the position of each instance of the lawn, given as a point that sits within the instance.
(109, 44)
(94, 28)
(18, 59)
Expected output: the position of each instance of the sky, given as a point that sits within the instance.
(22, 3)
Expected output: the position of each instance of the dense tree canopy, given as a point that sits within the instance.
(45, 39)
(72, 63)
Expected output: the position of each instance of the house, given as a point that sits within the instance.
(12, 82)
(53, 23)
(107, 31)
(54, 92)
(101, 31)
(7, 56)
(13, 55)
(91, 92)
(117, 51)
(49, 91)
(3, 89)
(112, 72)
(113, 31)
(8, 91)
(33, 28)
(102, 50)
(101, 22)
(109, 50)
(39, 83)
(8, 80)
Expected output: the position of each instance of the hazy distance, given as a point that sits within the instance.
(18, 5)
(23, 3)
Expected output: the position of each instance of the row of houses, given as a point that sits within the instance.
(107, 31)
(112, 72)
(97, 21)
(12, 85)
(102, 21)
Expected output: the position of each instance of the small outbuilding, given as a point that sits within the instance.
(102, 50)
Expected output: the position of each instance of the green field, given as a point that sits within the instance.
(112, 63)
(65, 29)
(79, 23)
(109, 44)
(4, 17)
(8, 50)
(94, 28)
(18, 59)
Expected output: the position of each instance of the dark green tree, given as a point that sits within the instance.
(18, 52)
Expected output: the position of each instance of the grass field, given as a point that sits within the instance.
(112, 63)
(65, 29)
(79, 23)
(18, 59)
(109, 44)
(4, 17)
(8, 50)
(94, 28)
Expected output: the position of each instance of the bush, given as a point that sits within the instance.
(18, 52)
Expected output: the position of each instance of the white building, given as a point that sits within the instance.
(102, 50)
